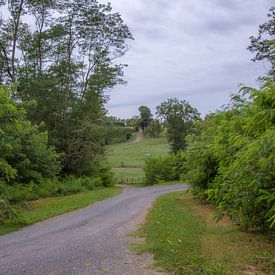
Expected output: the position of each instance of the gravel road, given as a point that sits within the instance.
(93, 240)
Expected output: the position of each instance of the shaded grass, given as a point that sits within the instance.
(43, 209)
(128, 172)
(127, 160)
(181, 234)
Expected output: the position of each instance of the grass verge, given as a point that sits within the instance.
(181, 234)
(43, 209)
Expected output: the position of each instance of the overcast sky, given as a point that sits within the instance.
(193, 50)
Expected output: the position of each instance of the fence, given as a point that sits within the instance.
(129, 180)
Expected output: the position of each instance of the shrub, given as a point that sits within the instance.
(91, 183)
(102, 170)
(7, 213)
(161, 169)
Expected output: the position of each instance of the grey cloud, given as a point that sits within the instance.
(189, 49)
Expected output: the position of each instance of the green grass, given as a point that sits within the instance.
(128, 172)
(45, 208)
(127, 160)
(181, 234)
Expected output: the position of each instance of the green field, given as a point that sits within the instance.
(127, 160)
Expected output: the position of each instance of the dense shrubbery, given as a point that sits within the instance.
(29, 166)
(232, 162)
(163, 169)
(16, 193)
(116, 134)
(24, 151)
(153, 129)
(51, 188)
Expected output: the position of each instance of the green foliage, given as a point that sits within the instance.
(7, 213)
(65, 67)
(179, 117)
(264, 44)
(153, 129)
(25, 153)
(162, 169)
(133, 123)
(116, 131)
(145, 116)
(12, 194)
(232, 161)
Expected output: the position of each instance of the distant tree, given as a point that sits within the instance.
(264, 44)
(133, 123)
(153, 129)
(116, 130)
(179, 117)
(145, 116)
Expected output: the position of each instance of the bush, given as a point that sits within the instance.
(102, 170)
(91, 183)
(161, 169)
(7, 213)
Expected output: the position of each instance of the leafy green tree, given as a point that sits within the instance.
(24, 151)
(133, 123)
(67, 63)
(264, 44)
(116, 130)
(153, 129)
(145, 116)
(179, 117)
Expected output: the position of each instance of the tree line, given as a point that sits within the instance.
(57, 60)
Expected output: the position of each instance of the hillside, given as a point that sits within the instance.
(127, 159)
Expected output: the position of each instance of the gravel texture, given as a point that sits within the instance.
(93, 240)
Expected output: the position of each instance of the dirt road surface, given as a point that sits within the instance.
(138, 138)
(93, 240)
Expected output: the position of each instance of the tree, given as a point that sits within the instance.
(179, 117)
(63, 65)
(133, 123)
(153, 129)
(25, 154)
(264, 44)
(145, 116)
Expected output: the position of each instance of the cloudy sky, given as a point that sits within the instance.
(192, 50)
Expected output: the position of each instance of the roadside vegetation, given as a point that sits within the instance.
(57, 60)
(179, 230)
(39, 210)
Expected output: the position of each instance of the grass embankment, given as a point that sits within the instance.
(127, 159)
(43, 209)
(181, 234)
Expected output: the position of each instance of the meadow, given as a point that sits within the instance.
(127, 159)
